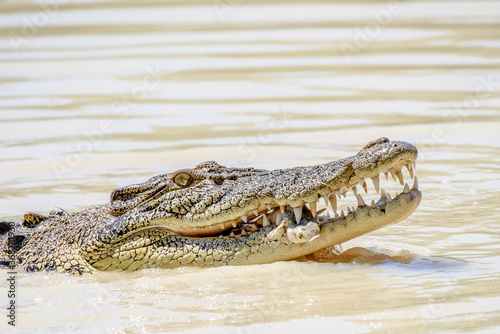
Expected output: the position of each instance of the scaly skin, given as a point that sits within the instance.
(197, 217)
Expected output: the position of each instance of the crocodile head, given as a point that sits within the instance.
(213, 215)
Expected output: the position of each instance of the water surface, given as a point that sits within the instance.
(96, 95)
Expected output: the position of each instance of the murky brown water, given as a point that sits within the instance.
(100, 94)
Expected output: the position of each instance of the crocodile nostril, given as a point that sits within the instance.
(5, 227)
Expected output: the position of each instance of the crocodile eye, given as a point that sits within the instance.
(183, 179)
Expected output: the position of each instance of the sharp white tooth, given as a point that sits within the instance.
(383, 194)
(373, 204)
(337, 192)
(386, 176)
(244, 219)
(243, 233)
(195, 228)
(298, 214)
(400, 177)
(414, 165)
(344, 194)
(365, 187)
(279, 218)
(393, 173)
(361, 202)
(406, 189)
(222, 226)
(342, 214)
(268, 207)
(211, 226)
(220, 236)
(349, 210)
(254, 228)
(410, 169)
(232, 235)
(389, 198)
(376, 183)
(325, 198)
(337, 216)
(282, 208)
(355, 190)
(333, 202)
(255, 212)
(415, 183)
(265, 221)
(313, 207)
(234, 223)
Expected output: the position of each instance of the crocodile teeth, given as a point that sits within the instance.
(337, 216)
(254, 227)
(265, 221)
(361, 202)
(400, 177)
(349, 210)
(255, 212)
(386, 176)
(313, 207)
(325, 198)
(269, 208)
(383, 194)
(355, 190)
(243, 233)
(342, 214)
(333, 202)
(393, 173)
(232, 235)
(279, 218)
(223, 226)
(244, 218)
(410, 169)
(406, 189)
(376, 183)
(389, 198)
(337, 192)
(298, 214)
(234, 223)
(415, 183)
(365, 187)
(282, 208)
(373, 204)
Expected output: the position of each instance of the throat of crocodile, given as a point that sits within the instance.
(304, 222)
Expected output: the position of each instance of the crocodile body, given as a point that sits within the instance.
(213, 215)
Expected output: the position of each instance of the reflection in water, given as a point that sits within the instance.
(98, 94)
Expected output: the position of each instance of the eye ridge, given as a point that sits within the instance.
(183, 179)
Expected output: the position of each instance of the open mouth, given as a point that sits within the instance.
(303, 223)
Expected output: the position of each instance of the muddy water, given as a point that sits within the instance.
(98, 94)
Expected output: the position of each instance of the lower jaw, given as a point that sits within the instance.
(335, 231)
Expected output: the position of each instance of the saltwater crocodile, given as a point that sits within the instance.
(213, 215)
